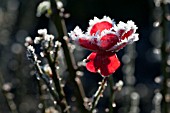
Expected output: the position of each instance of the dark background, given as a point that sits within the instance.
(18, 20)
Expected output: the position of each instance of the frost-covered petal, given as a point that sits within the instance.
(123, 43)
(96, 25)
(104, 63)
(99, 27)
(126, 34)
(125, 29)
(88, 44)
(107, 41)
(86, 41)
(134, 37)
(76, 33)
(118, 46)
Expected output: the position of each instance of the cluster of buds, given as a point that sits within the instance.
(48, 46)
(46, 67)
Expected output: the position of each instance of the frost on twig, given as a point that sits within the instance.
(47, 70)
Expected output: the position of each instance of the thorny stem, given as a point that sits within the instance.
(71, 65)
(57, 82)
(98, 94)
(164, 57)
(55, 54)
(10, 102)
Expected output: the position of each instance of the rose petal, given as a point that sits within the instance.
(105, 63)
(127, 34)
(121, 32)
(124, 30)
(88, 44)
(110, 65)
(99, 27)
(108, 41)
(90, 64)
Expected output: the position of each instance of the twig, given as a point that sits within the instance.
(56, 53)
(71, 65)
(98, 94)
(47, 81)
(40, 93)
(57, 81)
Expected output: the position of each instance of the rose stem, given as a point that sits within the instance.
(112, 94)
(98, 93)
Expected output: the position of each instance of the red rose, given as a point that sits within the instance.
(104, 38)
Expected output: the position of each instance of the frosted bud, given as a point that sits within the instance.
(43, 7)
(31, 48)
(37, 40)
(119, 85)
(57, 43)
(59, 4)
(28, 39)
(47, 69)
(42, 54)
(48, 37)
(42, 31)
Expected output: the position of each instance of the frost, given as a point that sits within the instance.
(37, 40)
(31, 48)
(42, 31)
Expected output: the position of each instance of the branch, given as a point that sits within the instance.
(98, 94)
(40, 93)
(57, 81)
(71, 65)
(112, 94)
(46, 79)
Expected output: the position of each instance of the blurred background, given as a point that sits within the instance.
(141, 74)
